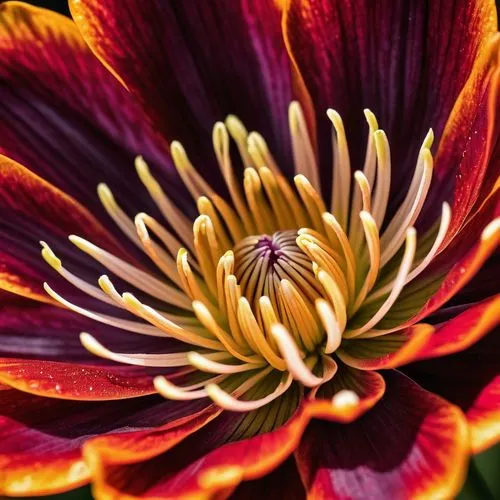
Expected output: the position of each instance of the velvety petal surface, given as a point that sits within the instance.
(234, 449)
(284, 482)
(469, 379)
(412, 444)
(65, 117)
(231, 448)
(192, 63)
(408, 62)
(33, 210)
(41, 438)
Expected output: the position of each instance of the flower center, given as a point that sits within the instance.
(264, 287)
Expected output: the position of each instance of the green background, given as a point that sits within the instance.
(483, 481)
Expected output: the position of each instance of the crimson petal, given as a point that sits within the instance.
(33, 209)
(390, 452)
(64, 116)
(41, 438)
(192, 63)
(406, 61)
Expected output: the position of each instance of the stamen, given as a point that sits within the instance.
(273, 283)
(381, 196)
(345, 398)
(260, 154)
(443, 228)
(393, 237)
(330, 323)
(239, 134)
(193, 181)
(399, 282)
(163, 260)
(373, 241)
(116, 213)
(172, 214)
(131, 326)
(171, 391)
(341, 185)
(152, 360)
(228, 402)
(220, 140)
(206, 365)
(369, 174)
(140, 279)
(174, 330)
(292, 357)
(312, 201)
(50, 257)
(303, 152)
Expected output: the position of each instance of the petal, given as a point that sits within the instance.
(194, 63)
(73, 381)
(41, 438)
(465, 161)
(468, 378)
(37, 331)
(283, 482)
(386, 351)
(31, 209)
(65, 117)
(231, 448)
(367, 386)
(54, 363)
(407, 62)
(463, 330)
(391, 451)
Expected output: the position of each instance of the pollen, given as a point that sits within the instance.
(263, 287)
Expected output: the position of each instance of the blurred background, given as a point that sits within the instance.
(483, 482)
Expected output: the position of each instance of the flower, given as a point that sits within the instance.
(264, 309)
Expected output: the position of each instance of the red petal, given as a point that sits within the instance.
(73, 381)
(194, 63)
(412, 444)
(464, 159)
(40, 438)
(464, 330)
(30, 205)
(406, 61)
(470, 380)
(232, 448)
(65, 117)
(387, 351)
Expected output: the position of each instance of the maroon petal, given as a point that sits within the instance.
(33, 210)
(41, 438)
(65, 117)
(406, 61)
(192, 63)
(469, 379)
(283, 482)
(390, 452)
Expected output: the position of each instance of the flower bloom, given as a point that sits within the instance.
(284, 283)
